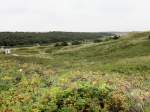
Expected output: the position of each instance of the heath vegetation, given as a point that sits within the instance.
(100, 75)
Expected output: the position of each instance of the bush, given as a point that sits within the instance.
(149, 37)
(60, 44)
(98, 40)
(115, 37)
(90, 98)
(56, 44)
(64, 44)
(117, 103)
(85, 98)
(76, 43)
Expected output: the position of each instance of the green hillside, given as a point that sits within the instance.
(109, 76)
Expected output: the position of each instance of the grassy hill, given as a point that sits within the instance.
(110, 76)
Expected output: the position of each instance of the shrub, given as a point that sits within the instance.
(60, 44)
(63, 44)
(98, 40)
(110, 38)
(76, 43)
(85, 98)
(115, 37)
(117, 103)
(149, 37)
(56, 44)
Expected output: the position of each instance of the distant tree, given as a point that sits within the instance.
(76, 43)
(115, 37)
(31, 38)
(149, 37)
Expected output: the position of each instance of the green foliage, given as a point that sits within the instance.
(76, 43)
(26, 38)
(110, 76)
(83, 98)
(63, 44)
(115, 37)
(98, 40)
(60, 44)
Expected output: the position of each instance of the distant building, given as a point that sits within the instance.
(5, 50)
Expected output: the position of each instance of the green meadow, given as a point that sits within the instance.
(112, 75)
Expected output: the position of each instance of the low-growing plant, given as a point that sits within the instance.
(118, 102)
(83, 98)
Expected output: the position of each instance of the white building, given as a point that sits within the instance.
(7, 51)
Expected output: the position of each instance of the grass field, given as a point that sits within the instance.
(110, 76)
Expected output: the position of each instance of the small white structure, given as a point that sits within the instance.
(7, 51)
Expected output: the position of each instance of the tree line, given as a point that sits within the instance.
(30, 38)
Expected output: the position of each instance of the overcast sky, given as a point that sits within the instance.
(74, 15)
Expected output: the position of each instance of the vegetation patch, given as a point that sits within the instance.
(108, 76)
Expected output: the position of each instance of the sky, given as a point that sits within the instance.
(74, 15)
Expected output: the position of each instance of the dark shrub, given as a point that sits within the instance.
(149, 37)
(61, 44)
(98, 40)
(76, 43)
(56, 44)
(85, 98)
(115, 37)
